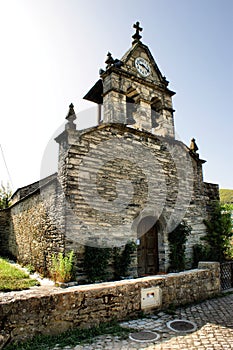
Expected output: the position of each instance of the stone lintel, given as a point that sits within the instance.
(133, 77)
(208, 265)
(114, 89)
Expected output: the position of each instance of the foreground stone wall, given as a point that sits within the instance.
(52, 310)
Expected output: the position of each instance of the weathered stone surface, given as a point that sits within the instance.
(143, 170)
(178, 188)
(43, 310)
(33, 228)
(4, 338)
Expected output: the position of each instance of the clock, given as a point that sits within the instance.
(142, 66)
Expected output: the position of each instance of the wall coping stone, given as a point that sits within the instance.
(42, 291)
(52, 310)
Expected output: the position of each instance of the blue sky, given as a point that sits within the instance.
(51, 52)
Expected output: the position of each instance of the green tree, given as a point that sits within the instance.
(5, 195)
(177, 239)
(219, 232)
(227, 208)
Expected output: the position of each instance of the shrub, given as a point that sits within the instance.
(62, 267)
(5, 195)
(122, 259)
(201, 253)
(31, 269)
(96, 263)
(177, 239)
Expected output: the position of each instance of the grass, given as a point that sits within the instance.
(13, 279)
(226, 195)
(71, 337)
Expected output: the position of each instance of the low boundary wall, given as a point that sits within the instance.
(50, 310)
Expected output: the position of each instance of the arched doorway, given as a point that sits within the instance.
(147, 252)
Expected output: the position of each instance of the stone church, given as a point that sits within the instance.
(126, 179)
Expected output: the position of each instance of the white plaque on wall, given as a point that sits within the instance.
(151, 297)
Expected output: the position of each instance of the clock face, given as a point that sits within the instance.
(142, 66)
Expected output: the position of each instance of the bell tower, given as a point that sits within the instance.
(133, 91)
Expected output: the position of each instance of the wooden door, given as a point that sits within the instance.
(148, 249)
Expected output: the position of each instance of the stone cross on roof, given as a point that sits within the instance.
(137, 36)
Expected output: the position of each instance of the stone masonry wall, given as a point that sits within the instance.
(52, 310)
(26, 190)
(115, 92)
(98, 169)
(197, 210)
(211, 192)
(152, 176)
(127, 82)
(37, 228)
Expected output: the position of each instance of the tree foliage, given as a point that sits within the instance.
(99, 261)
(177, 239)
(96, 263)
(5, 195)
(219, 233)
(201, 253)
(122, 259)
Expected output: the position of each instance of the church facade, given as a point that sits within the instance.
(126, 179)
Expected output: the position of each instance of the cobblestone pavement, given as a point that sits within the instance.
(214, 320)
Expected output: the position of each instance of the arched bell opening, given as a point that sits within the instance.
(131, 105)
(156, 110)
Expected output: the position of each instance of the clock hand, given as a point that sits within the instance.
(141, 64)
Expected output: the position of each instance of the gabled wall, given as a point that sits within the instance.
(153, 176)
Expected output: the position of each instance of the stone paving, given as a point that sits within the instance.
(214, 320)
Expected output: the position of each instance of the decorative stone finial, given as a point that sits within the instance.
(193, 146)
(71, 116)
(166, 82)
(109, 61)
(137, 36)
